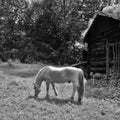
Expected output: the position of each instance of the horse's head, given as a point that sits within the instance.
(37, 90)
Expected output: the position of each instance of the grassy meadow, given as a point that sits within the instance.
(101, 102)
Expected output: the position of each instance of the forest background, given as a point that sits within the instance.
(46, 30)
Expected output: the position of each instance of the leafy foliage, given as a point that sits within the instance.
(35, 30)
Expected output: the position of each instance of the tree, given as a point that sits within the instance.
(47, 29)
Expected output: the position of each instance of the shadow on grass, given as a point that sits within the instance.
(57, 101)
(62, 101)
(30, 97)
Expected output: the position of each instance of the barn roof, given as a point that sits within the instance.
(109, 11)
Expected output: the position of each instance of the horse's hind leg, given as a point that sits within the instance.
(74, 90)
(54, 88)
(80, 93)
(47, 90)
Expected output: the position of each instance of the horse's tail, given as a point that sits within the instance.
(81, 88)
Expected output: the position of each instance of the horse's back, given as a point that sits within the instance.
(61, 74)
(70, 68)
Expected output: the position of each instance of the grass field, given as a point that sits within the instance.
(17, 102)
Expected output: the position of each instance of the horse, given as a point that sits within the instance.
(51, 75)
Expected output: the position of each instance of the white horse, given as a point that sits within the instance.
(52, 75)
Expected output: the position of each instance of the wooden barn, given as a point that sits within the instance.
(103, 39)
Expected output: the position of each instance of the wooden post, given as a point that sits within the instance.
(107, 58)
(89, 55)
(118, 58)
(114, 58)
(116, 62)
(118, 73)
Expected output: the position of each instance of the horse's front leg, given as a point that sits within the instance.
(73, 93)
(54, 88)
(47, 89)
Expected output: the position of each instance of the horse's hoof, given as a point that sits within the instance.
(71, 99)
(35, 98)
(79, 103)
(47, 97)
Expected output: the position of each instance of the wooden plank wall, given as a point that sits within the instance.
(102, 36)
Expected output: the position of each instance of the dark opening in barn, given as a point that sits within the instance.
(103, 39)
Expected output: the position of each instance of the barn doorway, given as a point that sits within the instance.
(114, 57)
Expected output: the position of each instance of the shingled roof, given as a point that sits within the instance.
(109, 11)
(112, 11)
